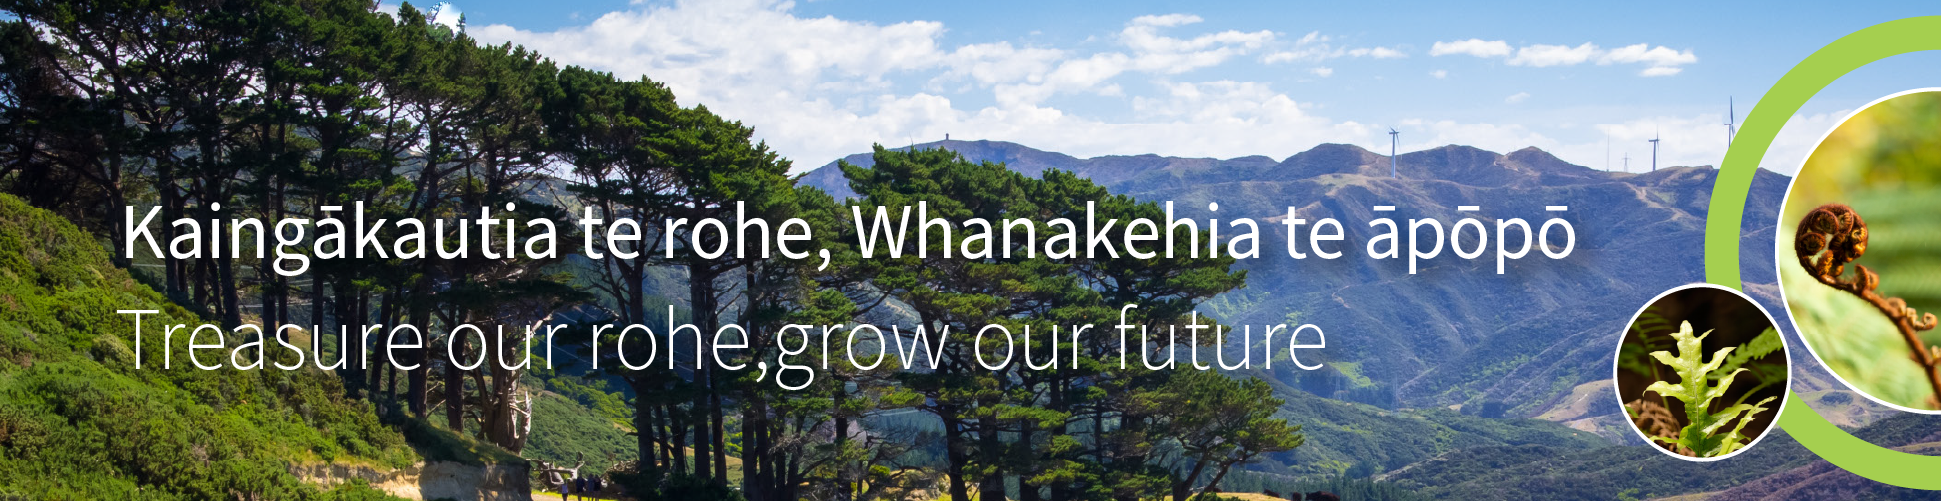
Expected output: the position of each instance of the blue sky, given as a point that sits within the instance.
(830, 77)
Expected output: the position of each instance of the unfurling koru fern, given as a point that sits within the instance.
(1833, 235)
(1703, 434)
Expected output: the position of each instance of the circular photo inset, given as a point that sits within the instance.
(1859, 251)
(1702, 372)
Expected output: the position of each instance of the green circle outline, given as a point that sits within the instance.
(1729, 191)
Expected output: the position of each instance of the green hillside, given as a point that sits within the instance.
(79, 421)
(1360, 439)
(1541, 472)
(569, 430)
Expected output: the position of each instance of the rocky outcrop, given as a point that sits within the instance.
(428, 480)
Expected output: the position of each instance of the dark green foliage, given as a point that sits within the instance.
(78, 420)
(649, 483)
(566, 430)
(1177, 432)
(1349, 488)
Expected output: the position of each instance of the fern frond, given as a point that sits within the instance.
(1765, 344)
(1696, 390)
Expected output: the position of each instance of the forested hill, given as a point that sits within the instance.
(1455, 333)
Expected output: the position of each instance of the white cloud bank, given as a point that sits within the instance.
(1658, 61)
(818, 88)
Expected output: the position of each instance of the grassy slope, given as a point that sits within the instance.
(1342, 434)
(77, 420)
(563, 430)
(1548, 473)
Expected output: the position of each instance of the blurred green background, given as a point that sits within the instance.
(1885, 162)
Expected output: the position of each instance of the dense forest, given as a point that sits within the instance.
(222, 109)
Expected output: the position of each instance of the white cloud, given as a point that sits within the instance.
(1797, 138)
(1663, 61)
(1070, 75)
(1517, 98)
(1151, 53)
(1474, 47)
(1553, 55)
(1157, 53)
(1166, 20)
(1227, 102)
(817, 88)
(1315, 47)
(1655, 56)
(1001, 62)
(702, 49)
(1684, 141)
(1659, 61)
(1379, 53)
(1660, 71)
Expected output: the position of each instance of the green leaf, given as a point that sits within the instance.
(1696, 390)
(1765, 344)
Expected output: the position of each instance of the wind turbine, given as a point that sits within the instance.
(1393, 138)
(1730, 117)
(1654, 151)
(1627, 161)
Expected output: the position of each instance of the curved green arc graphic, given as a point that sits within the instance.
(1728, 209)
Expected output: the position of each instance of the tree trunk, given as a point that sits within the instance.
(1026, 491)
(701, 296)
(344, 308)
(418, 394)
(664, 424)
(720, 431)
(1183, 486)
(316, 299)
(197, 293)
(385, 321)
(503, 415)
(991, 486)
(841, 423)
(703, 445)
(677, 428)
(116, 199)
(455, 385)
(231, 299)
(955, 455)
(391, 387)
(165, 187)
(1217, 477)
(645, 432)
(751, 457)
(1060, 491)
(269, 311)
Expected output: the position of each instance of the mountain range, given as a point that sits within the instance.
(1455, 333)
(1532, 345)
